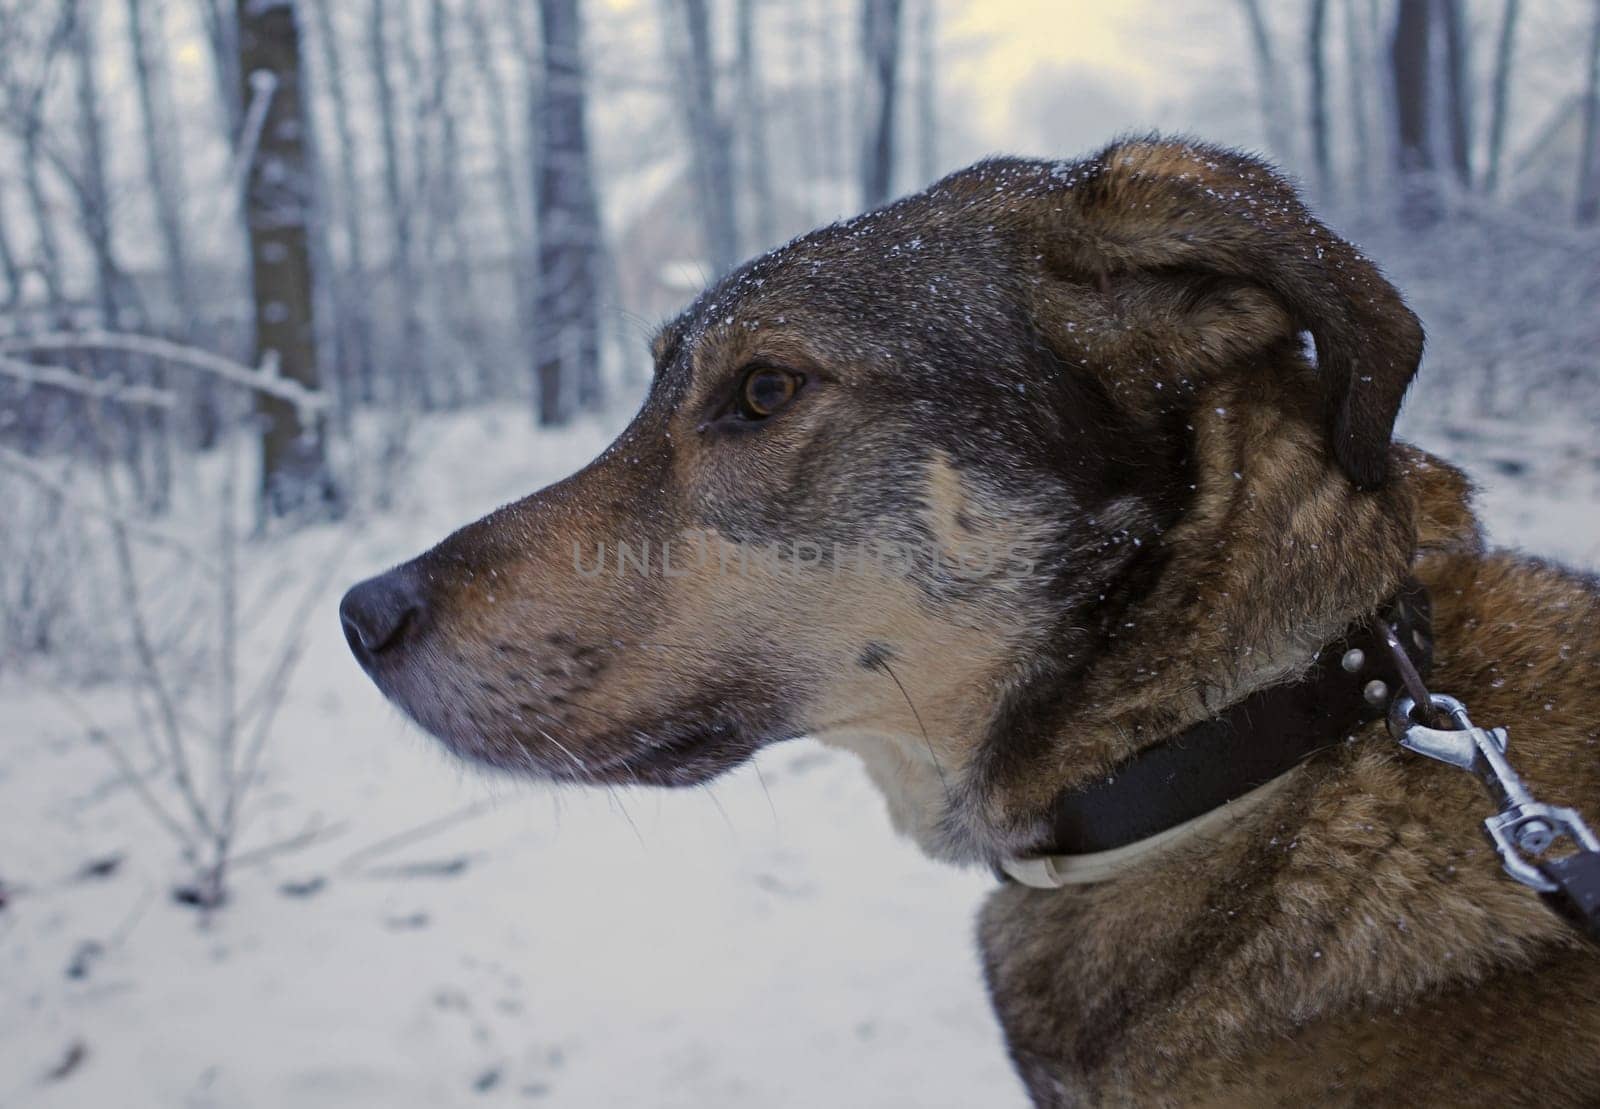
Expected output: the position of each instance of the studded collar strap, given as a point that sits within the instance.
(1223, 765)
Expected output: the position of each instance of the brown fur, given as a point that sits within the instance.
(1095, 368)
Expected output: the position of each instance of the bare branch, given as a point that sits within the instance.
(150, 665)
(130, 773)
(264, 380)
(55, 377)
(269, 696)
(40, 476)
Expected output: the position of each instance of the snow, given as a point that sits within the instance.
(763, 942)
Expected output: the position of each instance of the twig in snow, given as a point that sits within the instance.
(317, 831)
(417, 834)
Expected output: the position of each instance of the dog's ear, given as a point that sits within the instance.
(1151, 205)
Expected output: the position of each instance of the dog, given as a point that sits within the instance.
(1004, 487)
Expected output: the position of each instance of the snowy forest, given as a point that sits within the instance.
(289, 288)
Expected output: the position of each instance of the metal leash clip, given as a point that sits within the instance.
(1523, 829)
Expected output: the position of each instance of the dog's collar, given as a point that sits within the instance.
(1209, 775)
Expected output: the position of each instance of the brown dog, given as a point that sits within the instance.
(1002, 487)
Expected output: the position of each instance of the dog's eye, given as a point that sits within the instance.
(765, 390)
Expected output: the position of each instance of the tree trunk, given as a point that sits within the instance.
(408, 384)
(880, 52)
(762, 229)
(25, 109)
(353, 285)
(148, 446)
(278, 213)
(452, 195)
(1458, 78)
(1274, 103)
(927, 92)
(513, 207)
(566, 320)
(45, 239)
(1316, 57)
(1588, 209)
(708, 137)
(1358, 63)
(449, 277)
(164, 170)
(222, 31)
(1409, 65)
(92, 188)
(510, 197)
(838, 191)
(530, 55)
(8, 263)
(1500, 97)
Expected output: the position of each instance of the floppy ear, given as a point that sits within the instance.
(1151, 204)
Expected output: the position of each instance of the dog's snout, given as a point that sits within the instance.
(379, 612)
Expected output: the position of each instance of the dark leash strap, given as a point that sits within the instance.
(1576, 897)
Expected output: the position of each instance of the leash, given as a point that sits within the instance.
(1523, 830)
(1219, 770)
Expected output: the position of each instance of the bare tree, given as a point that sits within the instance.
(439, 183)
(1409, 52)
(90, 183)
(762, 227)
(9, 266)
(24, 89)
(566, 316)
(278, 215)
(168, 190)
(1458, 87)
(880, 53)
(1358, 71)
(405, 287)
(45, 238)
(352, 292)
(708, 132)
(927, 91)
(1589, 153)
(1269, 84)
(222, 32)
(832, 125)
(163, 166)
(510, 192)
(148, 445)
(1500, 96)
(1317, 62)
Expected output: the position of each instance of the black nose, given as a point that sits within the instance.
(379, 612)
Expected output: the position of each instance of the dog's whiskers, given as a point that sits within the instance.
(944, 782)
(616, 798)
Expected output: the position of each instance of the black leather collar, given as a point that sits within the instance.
(1251, 743)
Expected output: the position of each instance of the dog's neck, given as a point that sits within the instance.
(1275, 555)
(1202, 780)
(1219, 622)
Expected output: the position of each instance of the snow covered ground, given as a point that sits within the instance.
(446, 938)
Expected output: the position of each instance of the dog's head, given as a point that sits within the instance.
(992, 485)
